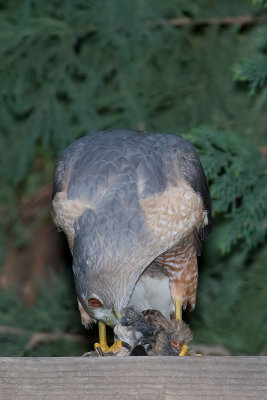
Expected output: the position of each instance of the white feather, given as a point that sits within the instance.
(152, 291)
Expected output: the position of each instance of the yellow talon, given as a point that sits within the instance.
(184, 350)
(178, 309)
(115, 347)
(103, 340)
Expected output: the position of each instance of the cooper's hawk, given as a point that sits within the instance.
(135, 208)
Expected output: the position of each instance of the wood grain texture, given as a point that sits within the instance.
(156, 378)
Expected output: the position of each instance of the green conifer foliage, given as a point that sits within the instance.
(55, 312)
(238, 182)
(231, 308)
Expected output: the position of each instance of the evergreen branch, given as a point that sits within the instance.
(244, 20)
(12, 330)
(253, 71)
(263, 150)
(37, 338)
(41, 337)
(260, 2)
(238, 183)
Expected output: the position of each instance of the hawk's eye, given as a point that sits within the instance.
(95, 303)
(176, 344)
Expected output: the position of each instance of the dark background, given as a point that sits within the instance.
(195, 68)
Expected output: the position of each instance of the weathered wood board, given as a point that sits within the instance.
(118, 378)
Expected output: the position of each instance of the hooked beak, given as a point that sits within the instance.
(115, 317)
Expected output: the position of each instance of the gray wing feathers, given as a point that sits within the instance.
(114, 169)
(59, 175)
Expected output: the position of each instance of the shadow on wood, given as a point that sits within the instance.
(156, 378)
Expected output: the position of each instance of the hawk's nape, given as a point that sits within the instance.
(135, 208)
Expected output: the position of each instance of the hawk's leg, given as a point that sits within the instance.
(103, 340)
(181, 266)
(180, 263)
(178, 309)
(178, 316)
(184, 350)
(87, 321)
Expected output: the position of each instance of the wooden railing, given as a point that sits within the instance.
(118, 378)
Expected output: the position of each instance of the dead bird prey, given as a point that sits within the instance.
(150, 333)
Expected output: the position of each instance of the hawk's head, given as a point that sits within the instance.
(106, 264)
